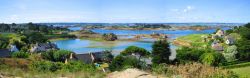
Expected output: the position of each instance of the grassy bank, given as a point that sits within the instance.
(191, 40)
(241, 69)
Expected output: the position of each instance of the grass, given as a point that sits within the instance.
(241, 69)
(243, 72)
(194, 39)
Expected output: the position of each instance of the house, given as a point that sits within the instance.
(39, 47)
(4, 53)
(220, 33)
(217, 46)
(214, 36)
(13, 48)
(229, 40)
(89, 57)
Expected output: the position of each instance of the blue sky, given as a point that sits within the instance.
(125, 11)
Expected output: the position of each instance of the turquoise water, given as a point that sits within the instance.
(85, 46)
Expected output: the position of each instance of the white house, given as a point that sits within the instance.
(13, 48)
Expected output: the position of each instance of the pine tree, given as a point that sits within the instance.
(161, 52)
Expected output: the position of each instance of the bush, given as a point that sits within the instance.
(193, 70)
(123, 62)
(212, 58)
(73, 66)
(20, 55)
(56, 55)
(186, 54)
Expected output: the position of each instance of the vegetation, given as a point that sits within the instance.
(193, 70)
(20, 55)
(212, 58)
(160, 52)
(56, 56)
(141, 52)
(109, 37)
(29, 27)
(123, 62)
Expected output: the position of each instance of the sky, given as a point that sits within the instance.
(125, 11)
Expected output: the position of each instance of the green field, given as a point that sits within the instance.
(193, 37)
(243, 72)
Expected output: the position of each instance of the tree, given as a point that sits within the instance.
(160, 52)
(247, 25)
(35, 37)
(135, 50)
(230, 53)
(243, 47)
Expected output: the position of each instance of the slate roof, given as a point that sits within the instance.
(89, 57)
(4, 53)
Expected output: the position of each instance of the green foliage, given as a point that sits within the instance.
(135, 50)
(247, 25)
(29, 27)
(230, 53)
(3, 42)
(212, 58)
(35, 37)
(107, 57)
(186, 54)
(161, 69)
(110, 37)
(56, 55)
(243, 50)
(160, 52)
(122, 62)
(20, 55)
(73, 66)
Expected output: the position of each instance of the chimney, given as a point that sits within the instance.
(71, 56)
(66, 61)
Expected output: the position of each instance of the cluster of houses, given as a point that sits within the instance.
(42, 47)
(39, 47)
(218, 39)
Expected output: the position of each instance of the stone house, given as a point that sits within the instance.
(39, 47)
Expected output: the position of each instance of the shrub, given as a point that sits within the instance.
(46, 66)
(212, 58)
(73, 66)
(122, 62)
(56, 55)
(230, 53)
(20, 55)
(186, 54)
(194, 70)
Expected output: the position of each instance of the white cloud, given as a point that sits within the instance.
(188, 9)
(185, 10)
